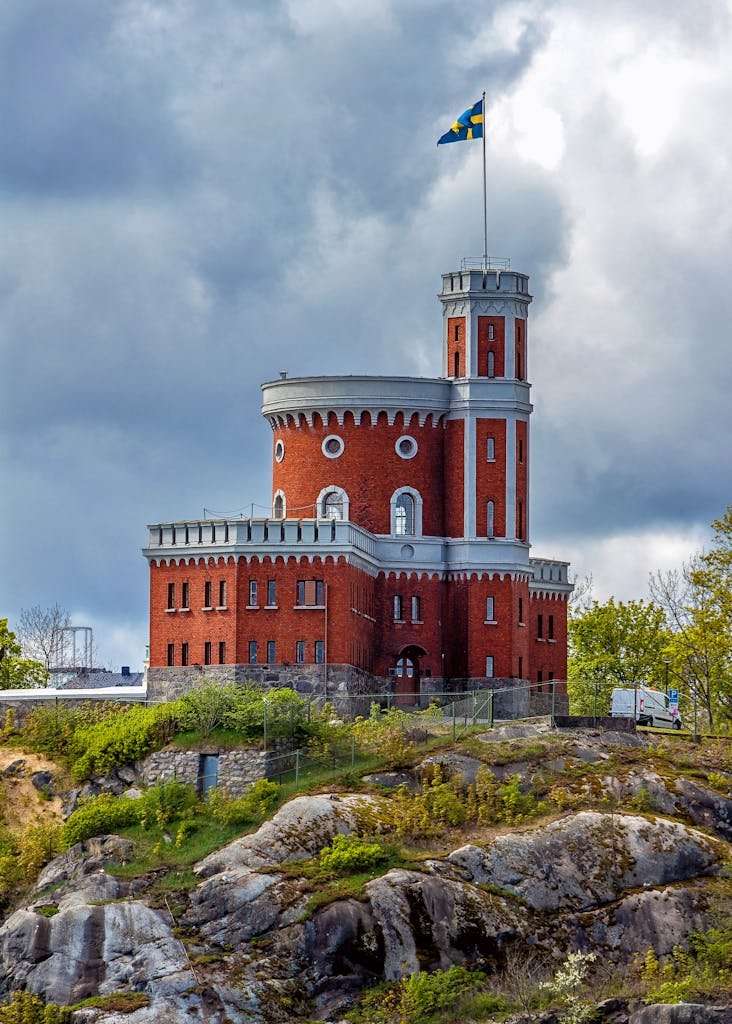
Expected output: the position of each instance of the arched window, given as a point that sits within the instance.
(331, 506)
(279, 506)
(490, 516)
(406, 513)
(332, 503)
(404, 516)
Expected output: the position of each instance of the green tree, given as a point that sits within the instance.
(614, 644)
(698, 603)
(17, 672)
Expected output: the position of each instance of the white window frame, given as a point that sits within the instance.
(412, 450)
(279, 450)
(279, 496)
(417, 511)
(341, 446)
(341, 494)
(491, 365)
(490, 667)
(253, 594)
(490, 449)
(398, 608)
(490, 609)
(490, 519)
(416, 604)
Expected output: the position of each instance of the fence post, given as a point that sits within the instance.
(388, 701)
(454, 721)
(297, 769)
(554, 703)
(475, 707)
(490, 709)
(264, 708)
(353, 752)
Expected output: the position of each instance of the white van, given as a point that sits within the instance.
(651, 707)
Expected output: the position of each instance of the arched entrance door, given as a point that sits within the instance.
(407, 676)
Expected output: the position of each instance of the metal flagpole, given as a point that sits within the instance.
(485, 200)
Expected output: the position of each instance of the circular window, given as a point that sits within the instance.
(280, 451)
(332, 446)
(406, 447)
(407, 551)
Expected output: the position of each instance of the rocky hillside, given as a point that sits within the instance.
(487, 863)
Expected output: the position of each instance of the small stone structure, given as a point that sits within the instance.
(238, 770)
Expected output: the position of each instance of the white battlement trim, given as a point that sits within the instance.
(306, 396)
(313, 538)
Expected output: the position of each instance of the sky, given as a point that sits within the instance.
(197, 196)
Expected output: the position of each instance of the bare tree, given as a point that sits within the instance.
(526, 969)
(38, 631)
(581, 597)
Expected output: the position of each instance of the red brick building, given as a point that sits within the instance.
(397, 553)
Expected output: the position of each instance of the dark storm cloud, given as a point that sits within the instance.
(195, 198)
(81, 114)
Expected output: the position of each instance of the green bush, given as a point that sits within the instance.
(167, 802)
(26, 1008)
(347, 855)
(101, 815)
(23, 854)
(262, 798)
(285, 712)
(419, 998)
(127, 736)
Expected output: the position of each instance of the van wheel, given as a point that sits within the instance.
(677, 725)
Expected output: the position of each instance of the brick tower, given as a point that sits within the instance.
(397, 553)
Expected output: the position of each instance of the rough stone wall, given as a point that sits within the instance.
(238, 770)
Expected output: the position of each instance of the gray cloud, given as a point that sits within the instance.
(197, 198)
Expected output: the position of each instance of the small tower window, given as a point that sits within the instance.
(490, 609)
(333, 446)
(491, 332)
(416, 609)
(278, 509)
(521, 451)
(332, 505)
(490, 515)
(404, 516)
(398, 608)
(489, 670)
(491, 364)
(456, 332)
(490, 449)
(279, 451)
(456, 362)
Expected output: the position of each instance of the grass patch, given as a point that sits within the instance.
(116, 1002)
(50, 910)
(153, 852)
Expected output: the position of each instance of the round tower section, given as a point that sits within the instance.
(367, 449)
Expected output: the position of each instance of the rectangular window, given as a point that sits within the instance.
(539, 627)
(222, 593)
(551, 676)
(185, 590)
(319, 652)
(252, 593)
(489, 666)
(310, 593)
(252, 652)
(521, 667)
(300, 652)
(222, 652)
(490, 609)
(207, 594)
(271, 652)
(491, 364)
(491, 332)
(490, 518)
(398, 610)
(520, 520)
(490, 449)
(521, 451)
(271, 593)
(456, 332)
(550, 625)
(416, 609)
(521, 611)
(184, 654)
(171, 596)
(539, 676)
(207, 653)
(171, 654)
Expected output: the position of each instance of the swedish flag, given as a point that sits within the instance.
(468, 126)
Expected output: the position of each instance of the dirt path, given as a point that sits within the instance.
(20, 802)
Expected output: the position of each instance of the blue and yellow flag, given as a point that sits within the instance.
(468, 126)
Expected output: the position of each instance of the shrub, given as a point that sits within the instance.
(167, 802)
(205, 708)
(26, 1008)
(262, 798)
(348, 855)
(385, 733)
(101, 815)
(415, 1000)
(125, 737)
(22, 855)
(284, 711)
